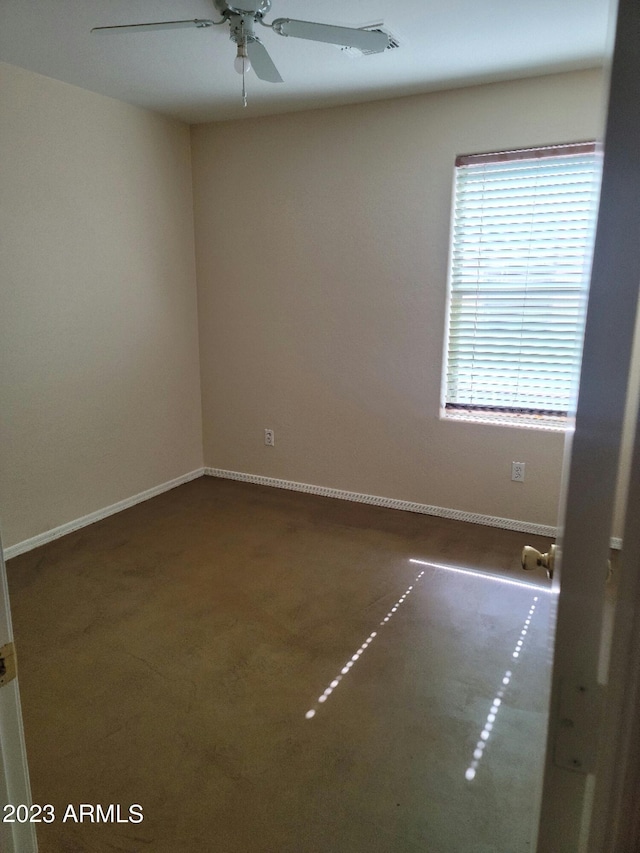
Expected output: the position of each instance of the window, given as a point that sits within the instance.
(522, 240)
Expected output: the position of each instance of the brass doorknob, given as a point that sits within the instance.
(534, 559)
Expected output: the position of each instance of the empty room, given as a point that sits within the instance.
(318, 454)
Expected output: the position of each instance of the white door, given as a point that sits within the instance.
(591, 729)
(17, 836)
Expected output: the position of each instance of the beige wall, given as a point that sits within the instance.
(321, 243)
(99, 376)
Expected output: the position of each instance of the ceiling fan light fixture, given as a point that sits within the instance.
(242, 63)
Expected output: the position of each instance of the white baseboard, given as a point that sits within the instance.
(57, 532)
(392, 503)
(375, 500)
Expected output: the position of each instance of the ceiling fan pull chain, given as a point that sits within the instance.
(244, 64)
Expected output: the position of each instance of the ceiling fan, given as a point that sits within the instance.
(243, 15)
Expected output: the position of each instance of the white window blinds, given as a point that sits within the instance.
(522, 241)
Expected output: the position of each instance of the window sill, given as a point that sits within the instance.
(503, 419)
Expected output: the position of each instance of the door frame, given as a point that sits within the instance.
(14, 772)
(591, 717)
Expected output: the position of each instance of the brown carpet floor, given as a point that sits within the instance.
(171, 657)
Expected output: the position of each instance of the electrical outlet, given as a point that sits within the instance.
(269, 438)
(517, 471)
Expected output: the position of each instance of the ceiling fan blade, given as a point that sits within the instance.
(365, 40)
(262, 62)
(160, 25)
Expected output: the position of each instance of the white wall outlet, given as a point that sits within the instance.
(269, 437)
(517, 471)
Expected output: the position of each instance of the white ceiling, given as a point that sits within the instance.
(189, 73)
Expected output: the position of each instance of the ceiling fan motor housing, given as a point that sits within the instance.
(253, 8)
(241, 20)
(241, 29)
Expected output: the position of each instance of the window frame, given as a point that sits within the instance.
(512, 416)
